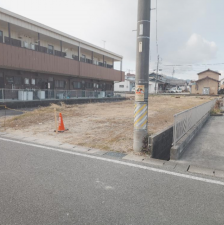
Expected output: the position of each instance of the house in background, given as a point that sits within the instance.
(127, 85)
(157, 83)
(207, 83)
(163, 82)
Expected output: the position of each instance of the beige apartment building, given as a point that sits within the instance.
(207, 83)
(35, 56)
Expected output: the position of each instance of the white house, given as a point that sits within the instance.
(124, 86)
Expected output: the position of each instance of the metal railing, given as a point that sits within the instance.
(41, 95)
(184, 121)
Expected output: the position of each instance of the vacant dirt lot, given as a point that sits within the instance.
(107, 126)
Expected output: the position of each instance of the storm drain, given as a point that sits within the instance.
(115, 154)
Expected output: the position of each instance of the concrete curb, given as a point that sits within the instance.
(177, 151)
(172, 165)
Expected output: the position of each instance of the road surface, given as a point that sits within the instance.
(207, 148)
(39, 185)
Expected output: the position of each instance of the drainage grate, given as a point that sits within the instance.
(115, 154)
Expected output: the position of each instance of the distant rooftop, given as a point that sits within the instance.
(208, 70)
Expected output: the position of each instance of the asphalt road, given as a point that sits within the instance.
(40, 186)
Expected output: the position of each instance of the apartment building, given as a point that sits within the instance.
(35, 56)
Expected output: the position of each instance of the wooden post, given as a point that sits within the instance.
(56, 122)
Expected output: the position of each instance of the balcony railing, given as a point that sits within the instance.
(8, 95)
(26, 59)
(18, 43)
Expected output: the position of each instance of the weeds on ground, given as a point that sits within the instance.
(216, 110)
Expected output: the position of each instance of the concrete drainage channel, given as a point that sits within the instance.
(147, 160)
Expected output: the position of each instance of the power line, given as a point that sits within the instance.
(208, 64)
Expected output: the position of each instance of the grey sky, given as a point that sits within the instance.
(189, 31)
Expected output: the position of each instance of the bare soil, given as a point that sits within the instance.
(106, 126)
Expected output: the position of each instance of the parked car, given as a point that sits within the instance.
(175, 90)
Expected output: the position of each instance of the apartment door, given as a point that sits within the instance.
(1, 36)
(206, 91)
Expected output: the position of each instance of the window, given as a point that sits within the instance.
(10, 80)
(25, 44)
(59, 84)
(75, 57)
(89, 85)
(96, 85)
(95, 62)
(50, 49)
(83, 58)
(33, 81)
(39, 81)
(121, 86)
(32, 46)
(77, 84)
(26, 81)
(15, 42)
(18, 80)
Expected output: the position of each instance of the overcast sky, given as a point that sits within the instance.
(190, 32)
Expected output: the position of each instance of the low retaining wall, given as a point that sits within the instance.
(178, 150)
(31, 104)
(161, 143)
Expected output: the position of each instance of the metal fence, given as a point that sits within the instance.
(184, 121)
(41, 95)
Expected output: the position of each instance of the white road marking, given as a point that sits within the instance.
(120, 162)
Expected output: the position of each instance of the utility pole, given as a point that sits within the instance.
(142, 75)
(157, 71)
(173, 73)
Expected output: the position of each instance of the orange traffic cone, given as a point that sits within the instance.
(61, 127)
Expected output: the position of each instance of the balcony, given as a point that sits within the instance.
(12, 57)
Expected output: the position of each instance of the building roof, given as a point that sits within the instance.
(157, 80)
(208, 70)
(207, 78)
(8, 16)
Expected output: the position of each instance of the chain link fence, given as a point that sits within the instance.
(41, 95)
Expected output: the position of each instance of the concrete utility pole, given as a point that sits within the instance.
(142, 75)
